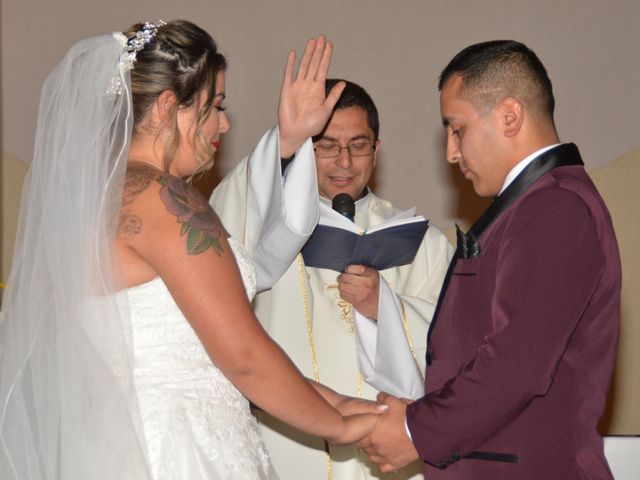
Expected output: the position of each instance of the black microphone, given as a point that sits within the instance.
(344, 205)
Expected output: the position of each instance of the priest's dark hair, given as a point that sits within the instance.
(356, 96)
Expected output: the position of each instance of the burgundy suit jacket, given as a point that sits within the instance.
(524, 345)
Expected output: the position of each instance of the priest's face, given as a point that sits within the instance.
(345, 154)
(473, 140)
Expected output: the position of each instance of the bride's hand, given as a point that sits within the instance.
(352, 406)
(345, 404)
(355, 427)
(304, 108)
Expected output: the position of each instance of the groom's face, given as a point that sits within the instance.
(474, 140)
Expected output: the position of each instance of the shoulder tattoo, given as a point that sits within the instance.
(129, 226)
(200, 224)
(136, 181)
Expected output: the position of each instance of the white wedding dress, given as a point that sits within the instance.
(72, 406)
(197, 425)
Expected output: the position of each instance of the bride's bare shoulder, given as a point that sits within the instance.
(139, 194)
(138, 180)
(156, 205)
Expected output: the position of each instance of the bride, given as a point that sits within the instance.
(128, 343)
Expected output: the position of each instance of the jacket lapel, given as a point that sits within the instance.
(561, 156)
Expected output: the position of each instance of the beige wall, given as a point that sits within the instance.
(617, 183)
(395, 49)
(13, 172)
(2, 202)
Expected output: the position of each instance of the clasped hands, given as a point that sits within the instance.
(382, 435)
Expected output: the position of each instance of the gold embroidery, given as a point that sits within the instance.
(345, 307)
(307, 316)
(347, 314)
(312, 346)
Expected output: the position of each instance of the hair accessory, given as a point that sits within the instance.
(138, 42)
(130, 48)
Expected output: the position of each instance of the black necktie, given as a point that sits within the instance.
(468, 246)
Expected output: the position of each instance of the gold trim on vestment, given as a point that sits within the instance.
(312, 347)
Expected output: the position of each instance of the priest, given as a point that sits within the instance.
(359, 330)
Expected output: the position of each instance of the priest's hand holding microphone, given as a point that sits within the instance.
(358, 284)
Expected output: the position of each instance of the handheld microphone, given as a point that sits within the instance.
(344, 205)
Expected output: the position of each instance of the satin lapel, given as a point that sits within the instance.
(561, 156)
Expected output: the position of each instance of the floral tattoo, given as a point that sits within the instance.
(199, 222)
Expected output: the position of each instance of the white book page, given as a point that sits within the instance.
(331, 218)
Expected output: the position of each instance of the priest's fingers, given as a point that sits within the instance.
(289, 68)
(325, 61)
(370, 278)
(321, 49)
(303, 68)
(361, 270)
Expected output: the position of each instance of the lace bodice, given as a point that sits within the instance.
(196, 423)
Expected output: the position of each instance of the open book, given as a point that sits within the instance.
(337, 242)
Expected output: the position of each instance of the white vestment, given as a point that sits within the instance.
(272, 215)
(349, 351)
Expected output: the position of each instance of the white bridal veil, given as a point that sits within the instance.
(67, 408)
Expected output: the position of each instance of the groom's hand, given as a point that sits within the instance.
(388, 445)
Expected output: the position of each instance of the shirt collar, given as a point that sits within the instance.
(522, 164)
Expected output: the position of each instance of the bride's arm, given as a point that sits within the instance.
(181, 239)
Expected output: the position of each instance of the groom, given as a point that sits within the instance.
(523, 341)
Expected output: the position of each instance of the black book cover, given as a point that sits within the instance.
(382, 247)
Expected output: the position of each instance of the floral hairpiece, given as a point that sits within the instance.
(139, 40)
(130, 48)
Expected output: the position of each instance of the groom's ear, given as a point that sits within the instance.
(512, 115)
